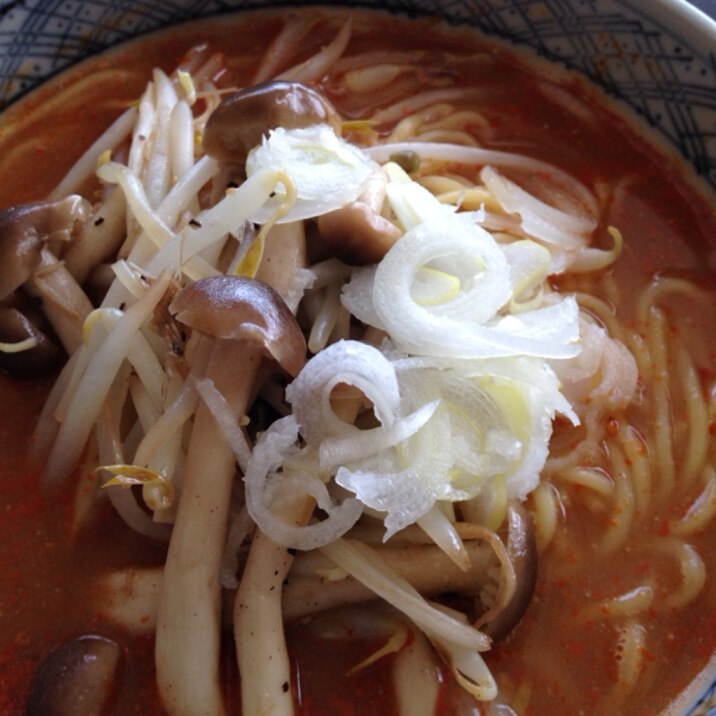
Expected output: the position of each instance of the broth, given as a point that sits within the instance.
(561, 657)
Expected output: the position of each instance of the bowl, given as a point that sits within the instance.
(656, 59)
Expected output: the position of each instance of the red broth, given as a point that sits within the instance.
(555, 661)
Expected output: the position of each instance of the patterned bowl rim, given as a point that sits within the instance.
(688, 29)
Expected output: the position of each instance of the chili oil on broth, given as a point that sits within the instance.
(561, 658)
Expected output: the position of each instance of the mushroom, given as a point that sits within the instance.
(99, 239)
(240, 321)
(24, 230)
(311, 586)
(35, 362)
(357, 233)
(522, 550)
(239, 122)
(243, 309)
(62, 299)
(76, 678)
(26, 233)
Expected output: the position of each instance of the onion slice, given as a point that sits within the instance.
(327, 172)
(263, 485)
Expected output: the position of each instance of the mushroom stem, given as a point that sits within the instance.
(258, 623)
(522, 552)
(189, 620)
(99, 239)
(63, 301)
(257, 615)
(313, 584)
(357, 233)
(284, 255)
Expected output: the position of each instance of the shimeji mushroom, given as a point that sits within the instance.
(357, 233)
(507, 612)
(76, 678)
(26, 229)
(243, 322)
(18, 330)
(27, 233)
(242, 119)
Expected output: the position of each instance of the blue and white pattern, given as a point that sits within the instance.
(659, 56)
(659, 61)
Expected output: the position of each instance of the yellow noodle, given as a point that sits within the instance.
(663, 439)
(630, 656)
(662, 287)
(640, 350)
(697, 418)
(693, 572)
(439, 184)
(623, 508)
(636, 454)
(586, 450)
(630, 604)
(448, 136)
(602, 310)
(546, 514)
(459, 120)
(611, 289)
(701, 511)
(592, 478)
(469, 199)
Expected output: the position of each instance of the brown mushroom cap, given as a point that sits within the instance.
(75, 679)
(23, 231)
(242, 119)
(237, 308)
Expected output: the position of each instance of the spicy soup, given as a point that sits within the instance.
(624, 611)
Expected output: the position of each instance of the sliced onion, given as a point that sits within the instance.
(263, 486)
(529, 265)
(538, 219)
(366, 443)
(327, 172)
(461, 155)
(404, 494)
(460, 328)
(352, 363)
(412, 203)
(357, 297)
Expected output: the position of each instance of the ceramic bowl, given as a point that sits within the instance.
(656, 56)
